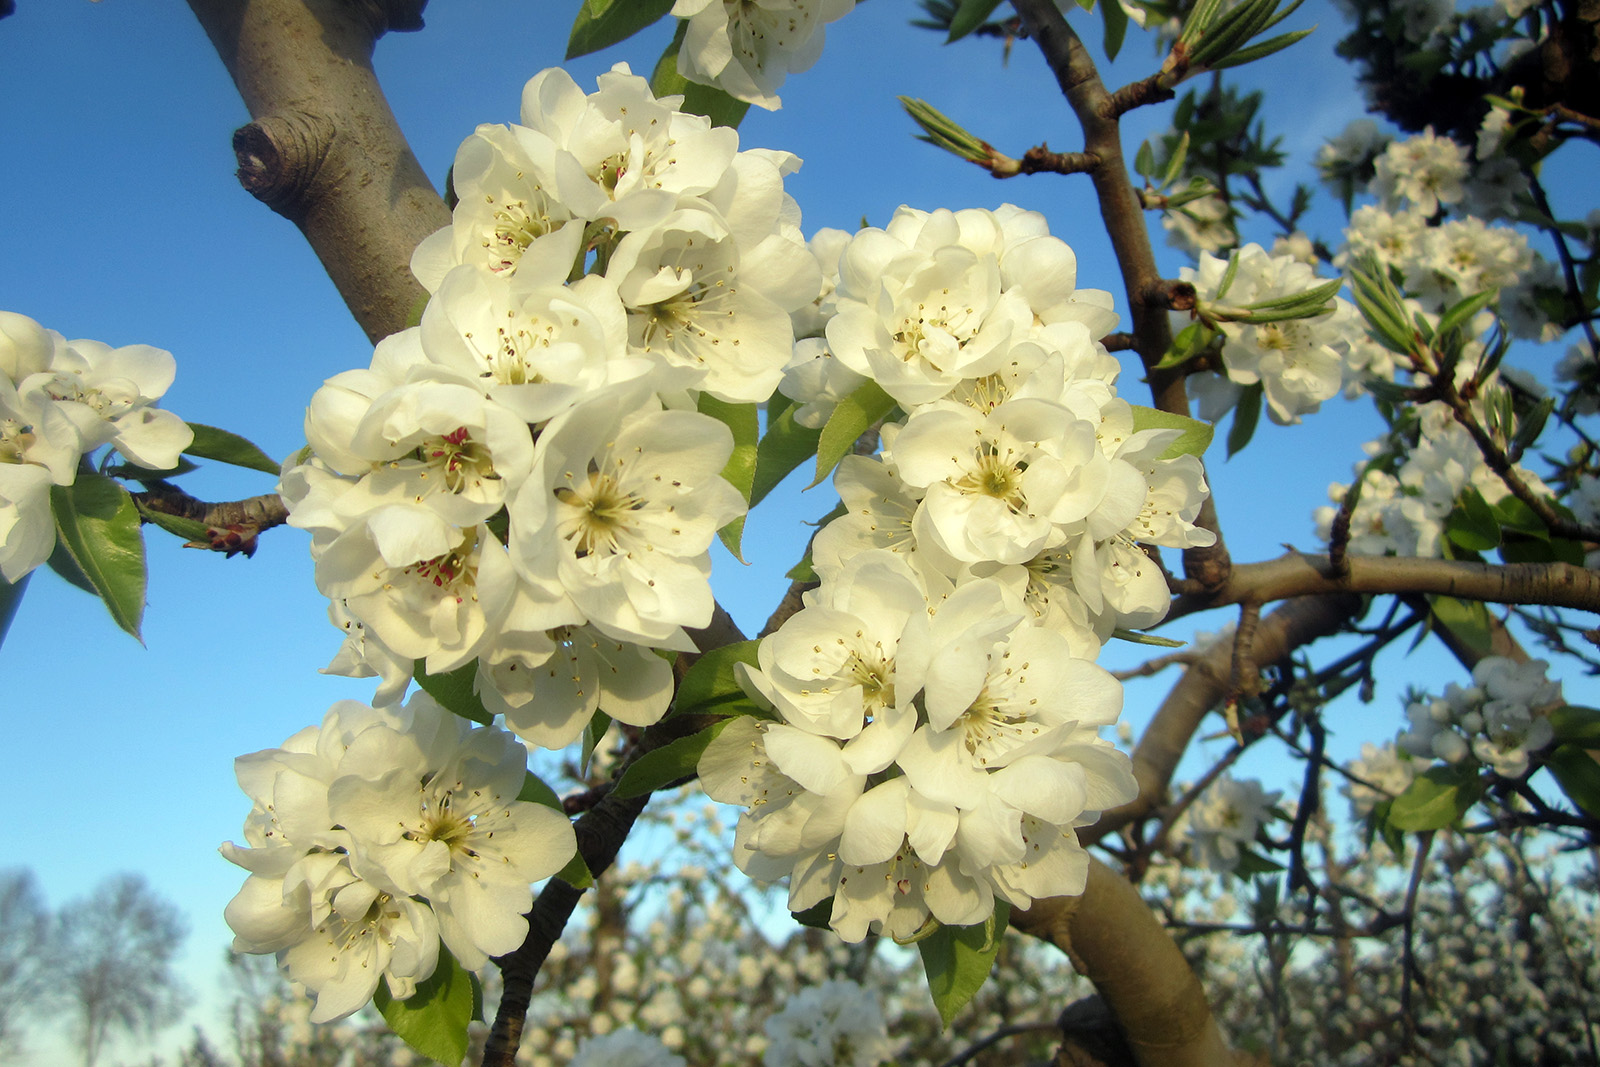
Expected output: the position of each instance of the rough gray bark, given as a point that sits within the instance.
(324, 150)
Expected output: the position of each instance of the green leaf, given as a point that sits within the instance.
(1436, 798)
(602, 23)
(713, 680)
(1116, 21)
(99, 525)
(1262, 50)
(853, 416)
(536, 791)
(454, 690)
(188, 529)
(667, 764)
(969, 16)
(1574, 723)
(1196, 436)
(1246, 414)
(1144, 161)
(1191, 341)
(1513, 514)
(713, 103)
(1471, 524)
(785, 446)
(1252, 863)
(225, 447)
(958, 959)
(1579, 776)
(1461, 314)
(1393, 836)
(596, 729)
(1140, 638)
(1468, 620)
(433, 1020)
(62, 563)
(744, 422)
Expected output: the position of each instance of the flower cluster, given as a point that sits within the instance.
(1224, 821)
(1499, 719)
(522, 480)
(1298, 362)
(1404, 513)
(59, 401)
(933, 732)
(835, 1024)
(747, 48)
(378, 835)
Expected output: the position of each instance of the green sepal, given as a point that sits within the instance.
(603, 23)
(1246, 416)
(433, 1020)
(98, 524)
(454, 690)
(744, 422)
(1578, 775)
(1194, 440)
(1437, 798)
(957, 959)
(713, 680)
(783, 448)
(224, 447)
(851, 418)
(713, 103)
(670, 763)
(10, 600)
(817, 917)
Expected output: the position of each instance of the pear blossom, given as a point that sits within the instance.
(624, 1048)
(747, 48)
(620, 511)
(1425, 171)
(1225, 819)
(835, 1024)
(378, 834)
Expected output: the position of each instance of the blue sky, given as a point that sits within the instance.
(123, 222)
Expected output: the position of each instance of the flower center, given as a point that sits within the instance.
(466, 462)
(514, 228)
(15, 439)
(995, 474)
(599, 511)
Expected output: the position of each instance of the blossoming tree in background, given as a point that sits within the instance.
(614, 337)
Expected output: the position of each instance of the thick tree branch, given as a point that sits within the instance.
(1204, 686)
(1123, 215)
(1297, 574)
(324, 150)
(1116, 942)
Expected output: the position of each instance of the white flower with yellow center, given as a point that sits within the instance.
(747, 48)
(431, 807)
(620, 511)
